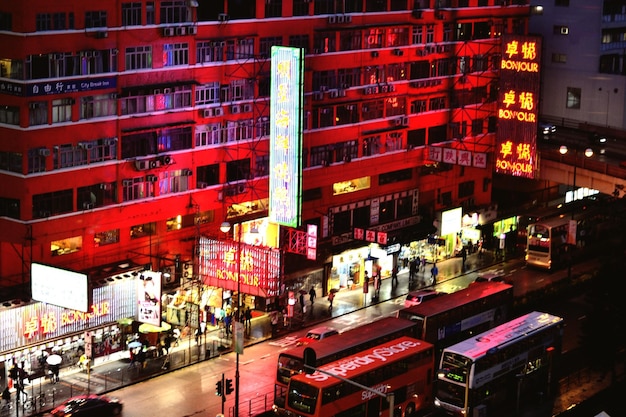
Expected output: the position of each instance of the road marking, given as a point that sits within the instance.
(285, 341)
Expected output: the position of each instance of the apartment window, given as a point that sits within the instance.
(10, 115)
(371, 145)
(373, 75)
(418, 106)
(138, 57)
(560, 30)
(374, 38)
(477, 127)
(325, 117)
(417, 34)
(239, 49)
(108, 237)
(350, 40)
(346, 114)
(416, 138)
(265, 44)
(136, 189)
(398, 36)
(37, 160)
(66, 246)
(6, 22)
(69, 156)
(373, 109)
(346, 151)
(375, 6)
(209, 51)
(62, 110)
(238, 170)
(324, 42)
(12, 161)
(237, 130)
(348, 77)
(207, 175)
(61, 21)
(175, 54)
(131, 14)
(209, 134)
(142, 230)
(10, 207)
(573, 98)
(393, 141)
(56, 202)
(300, 41)
(301, 7)
(559, 58)
(437, 103)
(262, 166)
(394, 106)
(273, 8)
(150, 11)
(171, 182)
(321, 155)
(448, 32)
(466, 189)
(37, 113)
(96, 19)
(43, 21)
(395, 72)
(175, 12)
(98, 106)
(430, 34)
(324, 80)
(208, 93)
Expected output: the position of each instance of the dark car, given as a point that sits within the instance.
(89, 406)
(546, 129)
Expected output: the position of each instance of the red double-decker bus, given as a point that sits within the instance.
(403, 366)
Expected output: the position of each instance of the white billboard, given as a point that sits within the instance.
(59, 287)
(149, 298)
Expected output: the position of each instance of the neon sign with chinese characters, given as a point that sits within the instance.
(516, 143)
(47, 322)
(285, 173)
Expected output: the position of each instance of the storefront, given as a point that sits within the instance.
(29, 332)
(349, 267)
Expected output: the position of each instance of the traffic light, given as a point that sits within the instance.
(229, 386)
(219, 391)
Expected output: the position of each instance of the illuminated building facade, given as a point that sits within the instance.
(129, 129)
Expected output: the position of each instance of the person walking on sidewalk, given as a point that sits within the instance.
(434, 271)
(312, 295)
(394, 276)
(331, 298)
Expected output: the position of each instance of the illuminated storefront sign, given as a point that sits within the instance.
(37, 322)
(285, 176)
(518, 106)
(259, 268)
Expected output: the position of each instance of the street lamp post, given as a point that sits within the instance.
(588, 153)
(225, 228)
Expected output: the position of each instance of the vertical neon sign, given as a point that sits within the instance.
(518, 106)
(286, 100)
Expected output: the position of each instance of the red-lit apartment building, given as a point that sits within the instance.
(129, 129)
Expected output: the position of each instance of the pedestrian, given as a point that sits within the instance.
(434, 271)
(227, 320)
(312, 295)
(302, 301)
(331, 297)
(413, 265)
(248, 317)
(6, 398)
(394, 275)
(377, 281)
(464, 255)
(424, 263)
(418, 263)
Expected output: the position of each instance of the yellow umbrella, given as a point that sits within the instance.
(151, 328)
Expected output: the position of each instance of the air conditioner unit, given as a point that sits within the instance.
(207, 113)
(85, 145)
(397, 121)
(405, 121)
(318, 95)
(398, 52)
(105, 186)
(341, 93)
(235, 109)
(151, 178)
(59, 56)
(127, 183)
(384, 88)
(187, 172)
(110, 142)
(202, 185)
(392, 88)
(222, 17)
(247, 108)
(333, 93)
(332, 19)
(367, 90)
(192, 30)
(165, 159)
(87, 205)
(142, 164)
(44, 152)
(181, 30)
(168, 31)
(44, 213)
(374, 54)
(218, 111)
(102, 34)
(347, 19)
(340, 18)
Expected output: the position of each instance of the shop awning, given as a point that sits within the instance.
(413, 233)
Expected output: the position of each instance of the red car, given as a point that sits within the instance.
(88, 406)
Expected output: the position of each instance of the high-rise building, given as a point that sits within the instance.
(129, 129)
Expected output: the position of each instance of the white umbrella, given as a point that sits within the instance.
(134, 344)
(54, 360)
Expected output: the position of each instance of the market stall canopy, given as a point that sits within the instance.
(150, 328)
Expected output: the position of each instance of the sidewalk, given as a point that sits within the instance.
(113, 372)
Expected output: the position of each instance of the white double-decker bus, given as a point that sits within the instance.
(497, 371)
